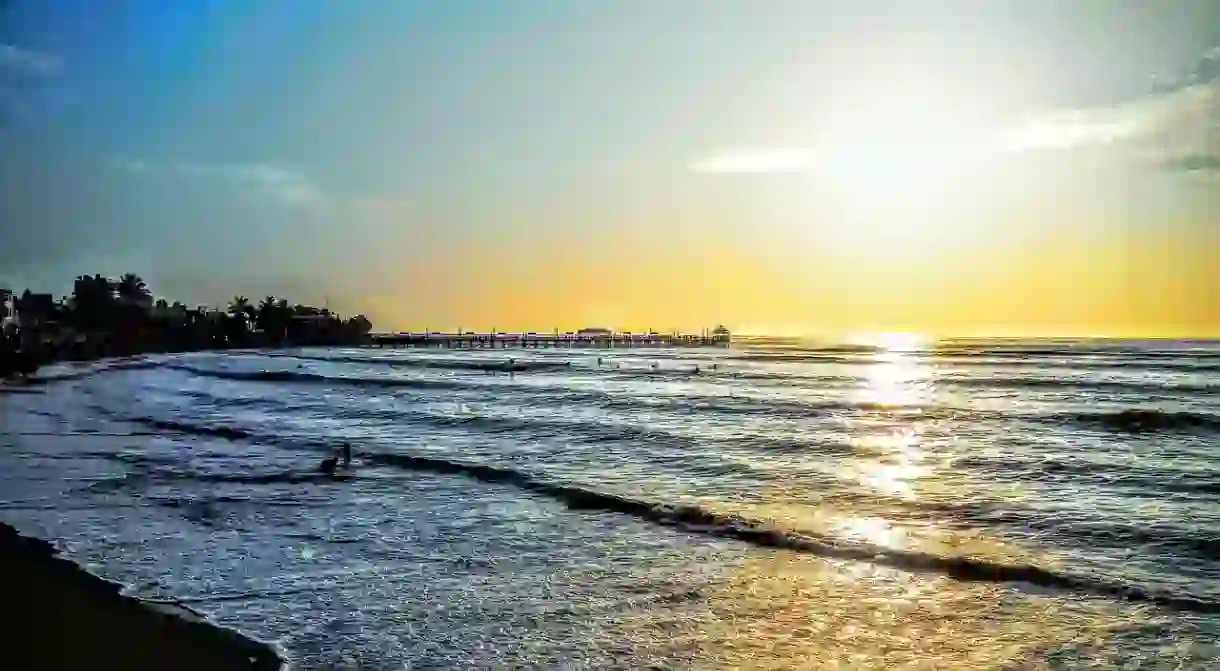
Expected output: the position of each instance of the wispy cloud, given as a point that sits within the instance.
(130, 165)
(287, 186)
(1067, 129)
(27, 63)
(1176, 126)
(1194, 163)
(763, 160)
(24, 75)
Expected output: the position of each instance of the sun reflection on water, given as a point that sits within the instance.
(890, 459)
(895, 379)
(893, 490)
(788, 611)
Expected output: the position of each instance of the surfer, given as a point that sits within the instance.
(328, 465)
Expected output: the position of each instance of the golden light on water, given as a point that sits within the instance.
(890, 341)
(789, 610)
(894, 379)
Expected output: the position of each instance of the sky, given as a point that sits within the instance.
(793, 167)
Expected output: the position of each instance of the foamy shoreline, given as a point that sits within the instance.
(52, 595)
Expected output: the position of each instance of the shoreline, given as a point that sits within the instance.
(51, 597)
(18, 363)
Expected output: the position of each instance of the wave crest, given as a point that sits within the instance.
(696, 519)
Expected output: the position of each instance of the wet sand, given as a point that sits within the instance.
(58, 616)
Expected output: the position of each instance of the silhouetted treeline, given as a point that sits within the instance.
(120, 317)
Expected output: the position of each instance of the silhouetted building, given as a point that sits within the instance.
(37, 318)
(35, 310)
(8, 319)
(143, 302)
(308, 329)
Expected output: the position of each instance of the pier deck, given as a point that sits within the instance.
(541, 340)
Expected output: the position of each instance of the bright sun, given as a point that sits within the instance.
(896, 149)
(885, 159)
(890, 341)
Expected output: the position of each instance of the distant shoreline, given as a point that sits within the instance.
(14, 364)
(50, 598)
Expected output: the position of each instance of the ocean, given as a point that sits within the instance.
(968, 505)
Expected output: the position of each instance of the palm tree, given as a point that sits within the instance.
(271, 314)
(93, 301)
(266, 309)
(360, 325)
(132, 287)
(240, 305)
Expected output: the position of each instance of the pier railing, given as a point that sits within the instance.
(541, 340)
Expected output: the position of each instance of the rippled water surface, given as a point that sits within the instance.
(973, 505)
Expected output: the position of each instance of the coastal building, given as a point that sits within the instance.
(175, 313)
(721, 335)
(37, 318)
(8, 320)
(308, 328)
(594, 332)
(35, 311)
(143, 302)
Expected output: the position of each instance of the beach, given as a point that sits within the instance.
(772, 505)
(92, 626)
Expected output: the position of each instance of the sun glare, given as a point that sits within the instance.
(898, 145)
(890, 341)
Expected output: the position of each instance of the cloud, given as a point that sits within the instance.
(24, 75)
(284, 185)
(1194, 163)
(1175, 126)
(768, 160)
(1067, 129)
(131, 165)
(19, 62)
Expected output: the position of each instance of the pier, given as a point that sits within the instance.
(718, 337)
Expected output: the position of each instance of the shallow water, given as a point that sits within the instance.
(976, 505)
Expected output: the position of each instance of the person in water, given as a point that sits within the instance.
(346, 452)
(328, 465)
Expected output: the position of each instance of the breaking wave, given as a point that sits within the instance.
(696, 519)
